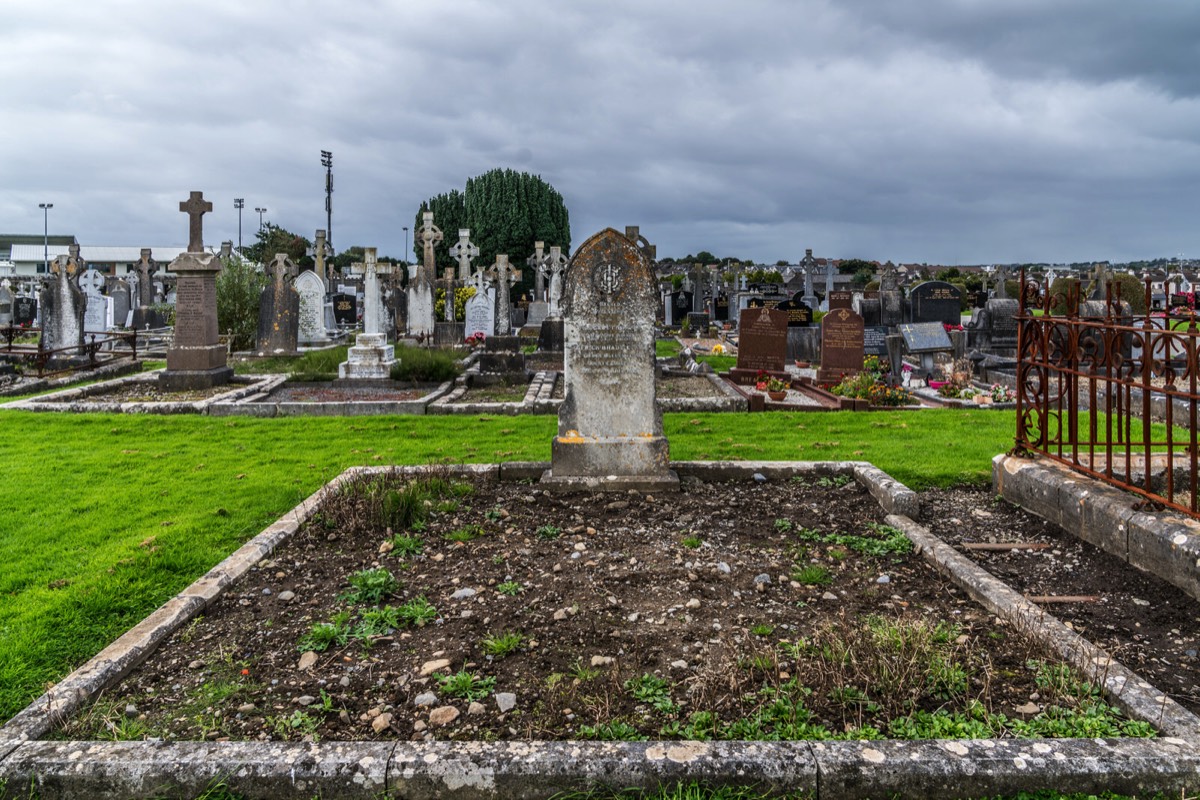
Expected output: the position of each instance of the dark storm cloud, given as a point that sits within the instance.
(936, 131)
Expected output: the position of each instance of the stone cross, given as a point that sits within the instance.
(92, 282)
(319, 255)
(281, 268)
(145, 268)
(633, 234)
(535, 263)
(554, 266)
(372, 298)
(226, 250)
(464, 252)
(429, 235)
(503, 277)
(195, 207)
(1001, 282)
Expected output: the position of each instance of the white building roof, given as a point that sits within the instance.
(99, 253)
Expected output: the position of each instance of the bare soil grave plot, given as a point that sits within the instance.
(140, 392)
(334, 393)
(456, 609)
(1143, 621)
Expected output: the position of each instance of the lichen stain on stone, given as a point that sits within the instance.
(1042, 747)
(687, 752)
(957, 748)
(1019, 763)
(430, 758)
(873, 756)
(472, 778)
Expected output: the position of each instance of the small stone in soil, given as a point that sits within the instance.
(306, 699)
(829, 596)
(307, 661)
(443, 715)
(762, 578)
(425, 699)
(430, 667)
(505, 701)
(601, 661)
(381, 723)
(462, 594)
(287, 596)
(475, 709)
(883, 579)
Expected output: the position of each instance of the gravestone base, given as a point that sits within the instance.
(748, 376)
(501, 363)
(448, 334)
(698, 323)
(182, 380)
(550, 336)
(613, 464)
(371, 359)
(502, 344)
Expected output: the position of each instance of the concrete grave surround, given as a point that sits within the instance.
(311, 328)
(279, 309)
(610, 433)
(822, 770)
(197, 359)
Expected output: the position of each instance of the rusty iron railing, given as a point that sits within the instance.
(48, 362)
(1110, 393)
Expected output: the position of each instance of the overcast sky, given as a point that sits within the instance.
(939, 131)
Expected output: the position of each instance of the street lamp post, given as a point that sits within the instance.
(45, 207)
(239, 203)
(260, 211)
(406, 245)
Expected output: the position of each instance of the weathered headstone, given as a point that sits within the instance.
(196, 358)
(319, 246)
(464, 252)
(144, 315)
(311, 329)
(372, 357)
(6, 304)
(63, 305)
(762, 340)
(481, 309)
(610, 434)
(936, 301)
(279, 309)
(534, 262)
(503, 277)
(841, 346)
(373, 311)
(95, 316)
(121, 302)
(553, 267)
(421, 281)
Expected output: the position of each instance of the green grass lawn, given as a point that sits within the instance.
(107, 516)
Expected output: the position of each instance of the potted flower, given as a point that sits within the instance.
(776, 389)
(760, 380)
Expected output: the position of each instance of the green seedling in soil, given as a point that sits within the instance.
(691, 542)
(583, 674)
(762, 629)
(879, 540)
(300, 723)
(833, 481)
(502, 644)
(377, 622)
(465, 686)
(464, 534)
(812, 575)
(494, 514)
(548, 532)
(371, 586)
(404, 544)
(510, 588)
(614, 731)
(783, 525)
(462, 489)
(447, 507)
(417, 612)
(653, 690)
(323, 635)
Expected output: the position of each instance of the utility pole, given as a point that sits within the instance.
(239, 203)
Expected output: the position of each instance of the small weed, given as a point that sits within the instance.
(464, 534)
(762, 629)
(494, 514)
(833, 481)
(614, 731)
(783, 525)
(323, 635)
(405, 545)
(548, 532)
(510, 588)
(371, 586)
(377, 622)
(812, 575)
(501, 645)
(692, 542)
(653, 690)
(466, 686)
(583, 674)
(417, 612)
(462, 489)
(300, 723)
(446, 507)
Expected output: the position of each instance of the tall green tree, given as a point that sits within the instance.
(507, 211)
(272, 239)
(849, 266)
(239, 289)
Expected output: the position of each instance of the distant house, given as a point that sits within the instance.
(9, 241)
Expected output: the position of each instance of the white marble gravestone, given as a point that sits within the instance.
(481, 309)
(372, 357)
(610, 434)
(312, 329)
(97, 315)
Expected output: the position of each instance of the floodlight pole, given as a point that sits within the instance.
(45, 207)
(239, 203)
(327, 163)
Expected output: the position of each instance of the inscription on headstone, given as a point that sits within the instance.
(936, 301)
(840, 299)
(841, 345)
(799, 313)
(925, 337)
(762, 340)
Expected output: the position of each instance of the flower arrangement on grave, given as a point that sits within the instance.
(476, 339)
(870, 385)
(1001, 394)
(718, 349)
(949, 327)
(776, 385)
(760, 380)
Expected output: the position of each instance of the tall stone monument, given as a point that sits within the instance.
(196, 359)
(554, 266)
(421, 280)
(372, 357)
(503, 277)
(279, 309)
(610, 434)
(97, 318)
(144, 314)
(319, 245)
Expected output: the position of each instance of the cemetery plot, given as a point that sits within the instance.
(444, 608)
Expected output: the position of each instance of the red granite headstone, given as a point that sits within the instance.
(841, 345)
(762, 339)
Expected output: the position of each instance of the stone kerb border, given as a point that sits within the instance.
(44, 384)
(926, 769)
(1166, 544)
(71, 400)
